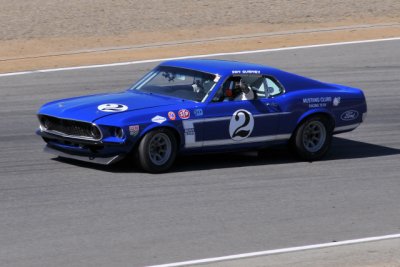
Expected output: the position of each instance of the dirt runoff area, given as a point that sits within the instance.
(39, 34)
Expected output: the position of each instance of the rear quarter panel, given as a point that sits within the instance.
(344, 105)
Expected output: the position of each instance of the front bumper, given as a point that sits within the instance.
(91, 159)
(98, 152)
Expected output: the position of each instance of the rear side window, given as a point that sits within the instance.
(266, 87)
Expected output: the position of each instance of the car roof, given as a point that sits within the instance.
(290, 81)
(221, 67)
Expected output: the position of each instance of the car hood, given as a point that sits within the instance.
(91, 108)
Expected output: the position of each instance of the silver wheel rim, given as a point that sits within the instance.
(160, 149)
(314, 136)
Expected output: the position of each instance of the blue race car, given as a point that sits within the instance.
(201, 106)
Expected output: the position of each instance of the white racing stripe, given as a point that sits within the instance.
(248, 140)
(190, 134)
(197, 56)
(279, 251)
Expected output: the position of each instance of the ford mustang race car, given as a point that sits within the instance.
(201, 106)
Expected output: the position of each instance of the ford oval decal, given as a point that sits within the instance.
(349, 115)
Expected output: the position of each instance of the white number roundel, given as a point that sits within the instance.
(111, 107)
(241, 125)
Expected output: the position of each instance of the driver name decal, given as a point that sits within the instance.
(317, 102)
(246, 72)
(241, 125)
(111, 107)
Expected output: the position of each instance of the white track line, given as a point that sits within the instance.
(197, 56)
(279, 251)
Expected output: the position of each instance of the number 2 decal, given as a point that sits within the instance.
(241, 125)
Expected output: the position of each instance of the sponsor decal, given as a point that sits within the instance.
(134, 130)
(241, 125)
(111, 107)
(198, 112)
(246, 72)
(336, 101)
(189, 131)
(190, 134)
(158, 119)
(317, 102)
(171, 115)
(184, 114)
(349, 115)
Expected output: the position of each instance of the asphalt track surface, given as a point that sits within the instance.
(64, 213)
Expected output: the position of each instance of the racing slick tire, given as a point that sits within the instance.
(157, 151)
(312, 139)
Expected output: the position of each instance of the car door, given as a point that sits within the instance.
(241, 123)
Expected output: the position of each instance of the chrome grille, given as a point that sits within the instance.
(69, 128)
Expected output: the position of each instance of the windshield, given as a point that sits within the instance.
(177, 82)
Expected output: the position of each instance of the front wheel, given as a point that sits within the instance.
(313, 138)
(157, 151)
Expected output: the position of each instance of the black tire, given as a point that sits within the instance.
(312, 139)
(157, 151)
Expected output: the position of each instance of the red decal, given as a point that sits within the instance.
(184, 114)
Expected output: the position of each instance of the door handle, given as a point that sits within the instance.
(273, 107)
(272, 104)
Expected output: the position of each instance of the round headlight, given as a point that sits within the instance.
(118, 132)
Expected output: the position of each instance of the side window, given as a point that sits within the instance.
(231, 90)
(261, 87)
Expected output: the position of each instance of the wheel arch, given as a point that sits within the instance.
(154, 127)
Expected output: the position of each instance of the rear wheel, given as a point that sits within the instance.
(313, 138)
(157, 151)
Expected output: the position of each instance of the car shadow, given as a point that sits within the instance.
(341, 149)
(349, 149)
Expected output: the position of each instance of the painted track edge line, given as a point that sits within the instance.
(279, 251)
(197, 56)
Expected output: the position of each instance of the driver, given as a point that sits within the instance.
(197, 86)
(243, 90)
(235, 89)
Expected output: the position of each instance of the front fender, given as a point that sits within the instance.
(169, 125)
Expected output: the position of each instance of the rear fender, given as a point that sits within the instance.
(311, 112)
